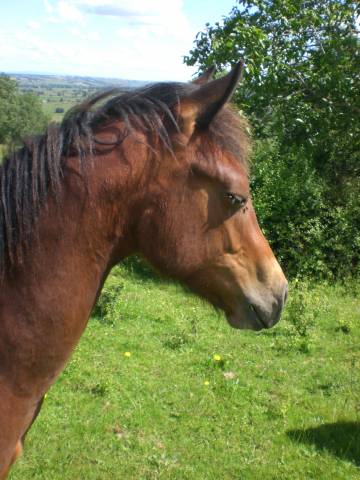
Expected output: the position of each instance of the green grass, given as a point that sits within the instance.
(62, 98)
(280, 404)
(50, 103)
(50, 106)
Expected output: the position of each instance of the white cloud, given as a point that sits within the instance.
(61, 11)
(84, 35)
(144, 40)
(124, 8)
(48, 7)
(32, 25)
(68, 11)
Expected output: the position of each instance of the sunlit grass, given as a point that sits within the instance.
(161, 388)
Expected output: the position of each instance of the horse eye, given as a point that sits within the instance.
(235, 200)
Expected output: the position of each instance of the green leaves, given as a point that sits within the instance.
(20, 114)
(301, 91)
(295, 52)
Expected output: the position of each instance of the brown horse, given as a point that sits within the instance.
(161, 171)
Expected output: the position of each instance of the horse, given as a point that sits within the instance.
(161, 171)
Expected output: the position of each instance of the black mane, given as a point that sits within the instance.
(30, 172)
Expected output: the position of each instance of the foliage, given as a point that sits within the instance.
(20, 114)
(302, 94)
(281, 403)
(309, 235)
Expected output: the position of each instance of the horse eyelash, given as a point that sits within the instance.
(235, 200)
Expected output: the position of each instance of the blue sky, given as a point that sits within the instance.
(132, 39)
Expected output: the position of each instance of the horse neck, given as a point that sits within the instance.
(46, 301)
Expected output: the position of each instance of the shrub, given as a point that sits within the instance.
(311, 232)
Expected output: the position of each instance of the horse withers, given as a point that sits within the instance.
(161, 171)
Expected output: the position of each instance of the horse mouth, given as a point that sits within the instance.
(248, 318)
(258, 317)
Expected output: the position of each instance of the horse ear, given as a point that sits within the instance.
(203, 103)
(205, 77)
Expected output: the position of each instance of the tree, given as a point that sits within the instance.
(302, 71)
(8, 107)
(301, 92)
(20, 114)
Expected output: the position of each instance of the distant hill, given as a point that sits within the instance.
(58, 93)
(29, 81)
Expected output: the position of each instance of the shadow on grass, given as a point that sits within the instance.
(139, 268)
(341, 439)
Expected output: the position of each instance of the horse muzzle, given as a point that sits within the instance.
(255, 312)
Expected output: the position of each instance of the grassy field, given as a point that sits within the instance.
(58, 91)
(161, 388)
(64, 99)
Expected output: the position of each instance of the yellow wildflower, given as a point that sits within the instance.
(127, 354)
